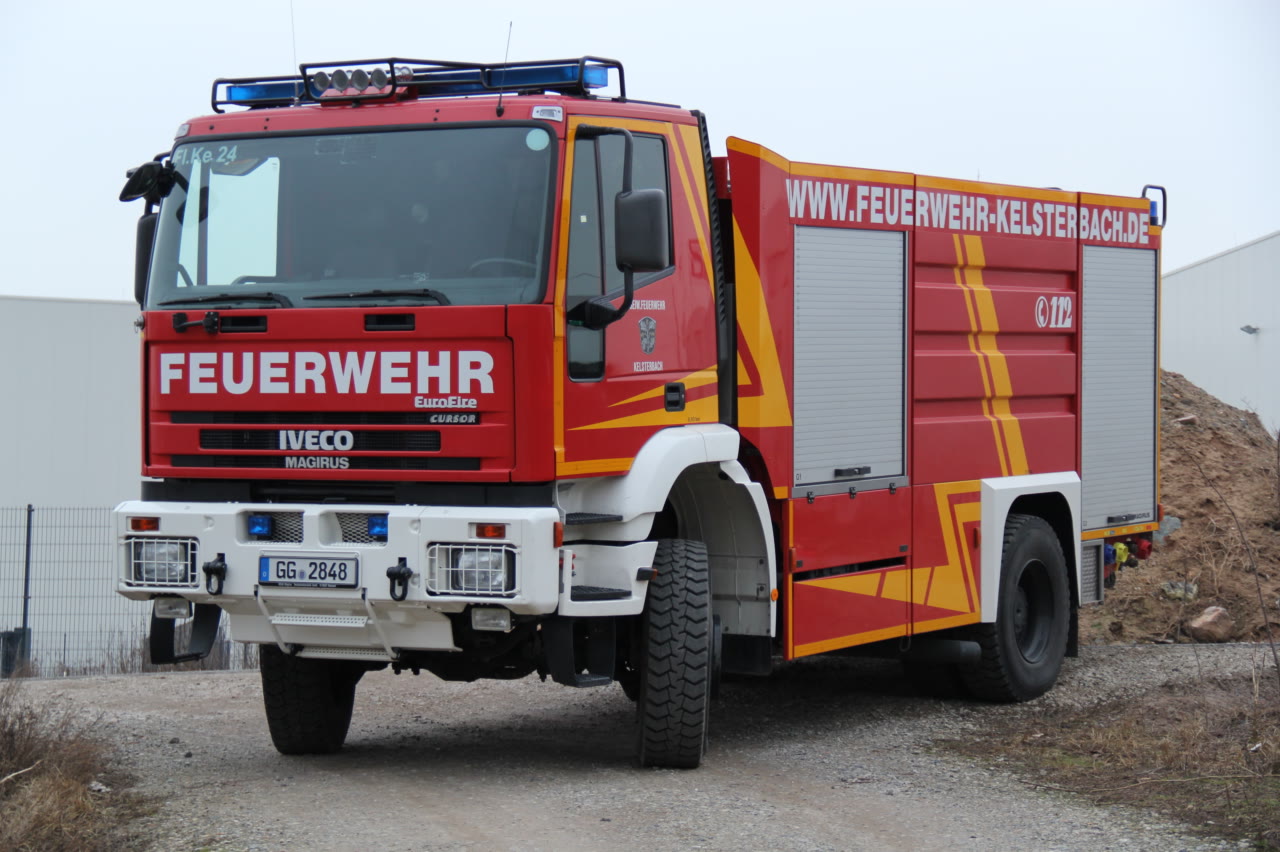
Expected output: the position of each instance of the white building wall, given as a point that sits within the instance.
(1205, 306)
(69, 417)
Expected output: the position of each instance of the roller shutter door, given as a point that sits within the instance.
(1119, 393)
(850, 312)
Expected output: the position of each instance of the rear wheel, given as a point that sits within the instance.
(308, 702)
(1022, 650)
(676, 632)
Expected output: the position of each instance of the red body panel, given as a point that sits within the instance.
(220, 402)
(992, 375)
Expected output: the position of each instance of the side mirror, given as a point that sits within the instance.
(142, 181)
(152, 181)
(641, 230)
(142, 255)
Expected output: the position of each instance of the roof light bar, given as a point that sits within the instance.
(409, 78)
(256, 92)
(507, 78)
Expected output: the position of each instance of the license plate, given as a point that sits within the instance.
(315, 571)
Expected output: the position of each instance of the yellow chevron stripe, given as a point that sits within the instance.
(857, 584)
(699, 411)
(690, 142)
(582, 468)
(1003, 386)
(696, 379)
(770, 407)
(849, 641)
(971, 309)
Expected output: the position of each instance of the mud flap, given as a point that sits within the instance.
(204, 629)
(561, 657)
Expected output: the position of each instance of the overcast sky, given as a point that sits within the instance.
(1092, 96)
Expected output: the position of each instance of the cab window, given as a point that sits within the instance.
(597, 178)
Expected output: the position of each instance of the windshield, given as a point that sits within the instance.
(440, 216)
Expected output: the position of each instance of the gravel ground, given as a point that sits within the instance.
(828, 754)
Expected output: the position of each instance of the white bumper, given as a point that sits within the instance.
(364, 620)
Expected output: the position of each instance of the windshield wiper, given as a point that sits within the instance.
(426, 292)
(282, 301)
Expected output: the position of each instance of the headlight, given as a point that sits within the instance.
(162, 561)
(463, 569)
(479, 571)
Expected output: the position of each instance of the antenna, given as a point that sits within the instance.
(505, 58)
(293, 34)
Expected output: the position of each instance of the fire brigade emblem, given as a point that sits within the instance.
(648, 334)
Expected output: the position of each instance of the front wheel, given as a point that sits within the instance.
(676, 633)
(1022, 650)
(308, 702)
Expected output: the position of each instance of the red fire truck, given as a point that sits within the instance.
(473, 369)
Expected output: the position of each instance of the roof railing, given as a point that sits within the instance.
(393, 78)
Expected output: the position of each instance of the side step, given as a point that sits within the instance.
(295, 619)
(376, 655)
(598, 593)
(578, 518)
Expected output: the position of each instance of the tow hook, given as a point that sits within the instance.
(215, 570)
(399, 575)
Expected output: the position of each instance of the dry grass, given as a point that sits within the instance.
(48, 759)
(1206, 752)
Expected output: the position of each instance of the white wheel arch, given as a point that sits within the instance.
(695, 470)
(998, 497)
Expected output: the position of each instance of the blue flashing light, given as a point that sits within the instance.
(377, 526)
(247, 94)
(476, 80)
(261, 525)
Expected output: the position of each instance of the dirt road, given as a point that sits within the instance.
(827, 755)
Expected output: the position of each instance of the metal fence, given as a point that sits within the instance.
(59, 611)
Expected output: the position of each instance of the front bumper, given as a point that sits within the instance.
(366, 620)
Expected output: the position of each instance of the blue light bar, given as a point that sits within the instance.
(378, 526)
(474, 80)
(257, 93)
(261, 525)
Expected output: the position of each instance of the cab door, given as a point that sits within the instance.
(654, 367)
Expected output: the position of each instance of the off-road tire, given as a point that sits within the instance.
(676, 658)
(1022, 650)
(308, 702)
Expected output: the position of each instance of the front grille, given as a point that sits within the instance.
(264, 439)
(304, 418)
(355, 529)
(286, 527)
(167, 562)
(353, 462)
(485, 570)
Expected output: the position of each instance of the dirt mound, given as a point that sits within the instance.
(1215, 460)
